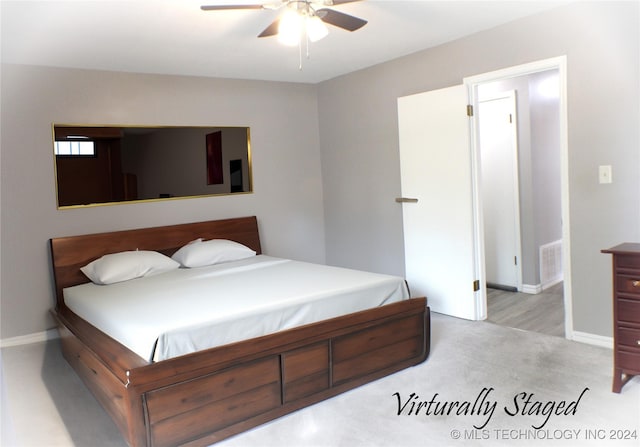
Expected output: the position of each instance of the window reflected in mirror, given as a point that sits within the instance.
(105, 165)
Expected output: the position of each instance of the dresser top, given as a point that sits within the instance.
(626, 248)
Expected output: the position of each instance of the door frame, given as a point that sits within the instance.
(512, 97)
(559, 63)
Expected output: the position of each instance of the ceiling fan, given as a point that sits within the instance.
(301, 16)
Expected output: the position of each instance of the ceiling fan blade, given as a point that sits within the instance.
(339, 2)
(270, 30)
(223, 7)
(340, 19)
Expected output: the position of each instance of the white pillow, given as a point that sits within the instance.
(127, 265)
(199, 253)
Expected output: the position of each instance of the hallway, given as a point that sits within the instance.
(542, 313)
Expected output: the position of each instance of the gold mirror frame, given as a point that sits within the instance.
(137, 164)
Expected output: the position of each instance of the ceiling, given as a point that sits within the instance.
(177, 37)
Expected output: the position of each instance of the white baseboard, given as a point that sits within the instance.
(29, 338)
(534, 289)
(552, 283)
(531, 289)
(592, 339)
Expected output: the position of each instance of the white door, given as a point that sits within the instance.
(500, 191)
(435, 162)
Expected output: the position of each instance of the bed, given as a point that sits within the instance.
(202, 396)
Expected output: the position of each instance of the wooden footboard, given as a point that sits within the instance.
(204, 397)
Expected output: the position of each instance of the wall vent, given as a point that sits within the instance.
(551, 264)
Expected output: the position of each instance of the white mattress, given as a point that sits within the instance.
(187, 310)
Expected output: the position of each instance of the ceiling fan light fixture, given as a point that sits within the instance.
(290, 28)
(316, 29)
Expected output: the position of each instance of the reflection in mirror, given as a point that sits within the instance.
(99, 165)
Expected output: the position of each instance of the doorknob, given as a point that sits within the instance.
(406, 200)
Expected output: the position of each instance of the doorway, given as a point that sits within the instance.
(442, 205)
(541, 301)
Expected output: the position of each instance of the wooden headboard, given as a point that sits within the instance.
(69, 254)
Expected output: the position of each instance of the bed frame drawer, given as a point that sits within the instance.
(361, 353)
(305, 371)
(215, 401)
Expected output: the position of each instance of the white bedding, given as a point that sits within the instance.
(187, 310)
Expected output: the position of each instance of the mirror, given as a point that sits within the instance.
(104, 165)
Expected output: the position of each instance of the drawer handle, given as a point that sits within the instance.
(636, 283)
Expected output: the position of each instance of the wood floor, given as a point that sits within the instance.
(543, 313)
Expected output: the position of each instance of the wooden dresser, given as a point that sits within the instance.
(626, 312)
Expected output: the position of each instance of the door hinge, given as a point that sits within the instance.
(469, 110)
(515, 260)
(476, 285)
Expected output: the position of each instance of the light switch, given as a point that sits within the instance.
(604, 174)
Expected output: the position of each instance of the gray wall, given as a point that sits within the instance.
(545, 166)
(286, 167)
(359, 140)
